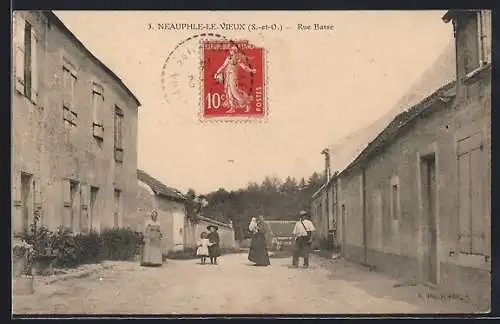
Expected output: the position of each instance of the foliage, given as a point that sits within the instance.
(192, 208)
(65, 246)
(194, 205)
(24, 253)
(39, 237)
(120, 243)
(272, 198)
(89, 247)
(70, 250)
(36, 245)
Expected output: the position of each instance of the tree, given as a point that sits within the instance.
(302, 184)
(289, 186)
(193, 207)
(277, 200)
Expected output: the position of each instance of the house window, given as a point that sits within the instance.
(70, 114)
(26, 58)
(97, 107)
(118, 135)
(471, 196)
(84, 210)
(476, 29)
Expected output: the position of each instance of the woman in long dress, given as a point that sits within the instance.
(258, 253)
(228, 74)
(152, 250)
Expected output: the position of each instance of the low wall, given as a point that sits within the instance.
(193, 232)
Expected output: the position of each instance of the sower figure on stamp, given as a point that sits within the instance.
(303, 238)
(228, 74)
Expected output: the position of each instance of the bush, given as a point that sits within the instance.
(89, 248)
(120, 243)
(71, 250)
(65, 247)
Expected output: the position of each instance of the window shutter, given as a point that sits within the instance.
(94, 101)
(37, 192)
(34, 67)
(97, 102)
(66, 187)
(65, 87)
(19, 52)
(16, 186)
(486, 23)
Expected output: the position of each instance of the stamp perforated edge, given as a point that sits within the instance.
(239, 119)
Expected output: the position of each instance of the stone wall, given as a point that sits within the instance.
(52, 155)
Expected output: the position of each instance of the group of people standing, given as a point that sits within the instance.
(261, 237)
(208, 245)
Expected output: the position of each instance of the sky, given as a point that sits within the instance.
(320, 85)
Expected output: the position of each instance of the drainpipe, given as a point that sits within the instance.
(335, 209)
(326, 153)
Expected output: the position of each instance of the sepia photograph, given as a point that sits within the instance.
(251, 162)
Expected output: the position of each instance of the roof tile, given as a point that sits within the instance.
(158, 187)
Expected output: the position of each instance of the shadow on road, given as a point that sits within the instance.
(380, 285)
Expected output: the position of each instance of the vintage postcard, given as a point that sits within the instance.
(251, 162)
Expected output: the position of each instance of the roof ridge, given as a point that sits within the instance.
(402, 119)
(159, 187)
(52, 16)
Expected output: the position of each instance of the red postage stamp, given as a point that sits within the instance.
(233, 79)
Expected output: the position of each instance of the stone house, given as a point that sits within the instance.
(416, 201)
(441, 72)
(323, 213)
(74, 131)
(171, 206)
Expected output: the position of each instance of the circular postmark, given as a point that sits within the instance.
(185, 69)
(180, 71)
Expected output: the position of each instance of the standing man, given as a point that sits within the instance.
(303, 238)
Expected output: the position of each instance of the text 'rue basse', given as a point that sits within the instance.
(315, 27)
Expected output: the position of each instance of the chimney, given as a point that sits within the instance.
(326, 153)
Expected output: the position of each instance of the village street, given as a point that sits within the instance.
(235, 287)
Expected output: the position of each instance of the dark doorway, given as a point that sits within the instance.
(429, 237)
